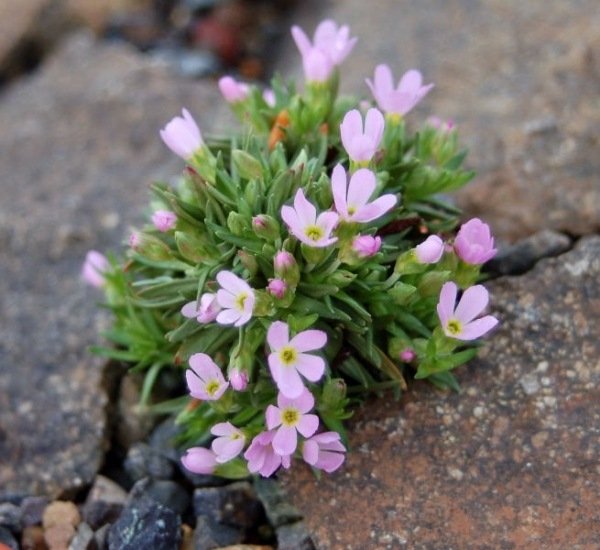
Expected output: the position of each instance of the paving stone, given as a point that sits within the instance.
(520, 79)
(75, 166)
(502, 463)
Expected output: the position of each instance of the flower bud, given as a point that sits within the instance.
(151, 247)
(248, 261)
(164, 220)
(247, 166)
(232, 90)
(277, 288)
(334, 394)
(182, 136)
(407, 355)
(474, 243)
(366, 245)
(199, 460)
(286, 268)
(341, 278)
(94, 267)
(238, 379)
(430, 251)
(236, 223)
(266, 227)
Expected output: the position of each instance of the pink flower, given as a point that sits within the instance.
(351, 201)
(204, 378)
(324, 451)
(290, 416)
(134, 240)
(458, 323)
(229, 443)
(441, 125)
(404, 97)
(238, 379)
(261, 456)
(430, 250)
(232, 90)
(366, 245)
(284, 261)
(182, 136)
(305, 226)
(269, 97)
(199, 460)
(208, 310)
(474, 243)
(407, 355)
(330, 46)
(361, 144)
(236, 298)
(94, 267)
(164, 220)
(288, 360)
(277, 288)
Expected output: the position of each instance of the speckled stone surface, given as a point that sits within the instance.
(521, 80)
(510, 463)
(79, 148)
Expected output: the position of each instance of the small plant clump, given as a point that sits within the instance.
(299, 266)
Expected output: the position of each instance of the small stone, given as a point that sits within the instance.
(277, 506)
(32, 510)
(10, 516)
(209, 534)
(7, 541)
(529, 383)
(187, 538)
(101, 536)
(59, 536)
(104, 503)
(144, 461)
(167, 493)
(143, 524)
(84, 538)
(134, 423)
(235, 504)
(162, 439)
(294, 537)
(61, 512)
(32, 538)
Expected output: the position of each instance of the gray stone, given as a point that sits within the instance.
(83, 539)
(294, 537)
(234, 504)
(277, 506)
(10, 516)
(163, 439)
(75, 169)
(104, 503)
(7, 539)
(209, 534)
(167, 493)
(101, 536)
(32, 510)
(522, 256)
(144, 461)
(144, 523)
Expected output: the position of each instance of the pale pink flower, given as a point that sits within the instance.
(460, 323)
(164, 220)
(232, 90)
(366, 245)
(204, 378)
(474, 243)
(261, 456)
(284, 261)
(288, 360)
(229, 443)
(134, 240)
(362, 143)
(199, 460)
(305, 226)
(182, 136)
(290, 417)
(236, 298)
(401, 99)
(277, 288)
(407, 355)
(324, 451)
(238, 379)
(269, 97)
(330, 46)
(94, 267)
(206, 312)
(441, 125)
(430, 250)
(351, 200)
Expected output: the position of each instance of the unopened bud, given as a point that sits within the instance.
(266, 227)
(277, 288)
(149, 246)
(286, 268)
(238, 379)
(248, 261)
(247, 166)
(236, 223)
(407, 355)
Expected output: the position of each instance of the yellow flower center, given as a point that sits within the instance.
(240, 300)
(290, 417)
(314, 232)
(212, 387)
(288, 356)
(351, 210)
(454, 327)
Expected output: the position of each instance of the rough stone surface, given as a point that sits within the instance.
(82, 148)
(520, 79)
(144, 461)
(167, 493)
(508, 463)
(145, 524)
(7, 541)
(32, 510)
(294, 537)
(209, 534)
(10, 516)
(277, 506)
(104, 502)
(83, 539)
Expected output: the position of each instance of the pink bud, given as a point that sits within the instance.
(284, 260)
(474, 243)
(199, 460)
(182, 135)
(366, 245)
(232, 90)
(134, 240)
(277, 288)
(431, 250)
(407, 355)
(164, 220)
(238, 379)
(269, 97)
(94, 267)
(441, 125)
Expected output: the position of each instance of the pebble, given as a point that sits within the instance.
(167, 493)
(10, 517)
(210, 534)
(277, 506)
(7, 541)
(294, 537)
(84, 538)
(32, 510)
(32, 538)
(144, 461)
(104, 503)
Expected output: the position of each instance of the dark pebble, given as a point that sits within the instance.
(162, 439)
(32, 510)
(209, 534)
(167, 493)
(294, 537)
(10, 517)
(83, 539)
(145, 461)
(235, 504)
(104, 503)
(143, 524)
(277, 506)
(7, 539)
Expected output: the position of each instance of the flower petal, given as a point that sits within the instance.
(477, 328)
(305, 402)
(329, 462)
(473, 301)
(203, 366)
(301, 40)
(362, 185)
(308, 425)
(289, 382)
(273, 417)
(374, 125)
(285, 441)
(338, 189)
(310, 452)
(309, 340)
(445, 307)
(278, 335)
(311, 367)
(410, 82)
(190, 310)
(231, 282)
(223, 428)
(351, 126)
(307, 213)
(384, 80)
